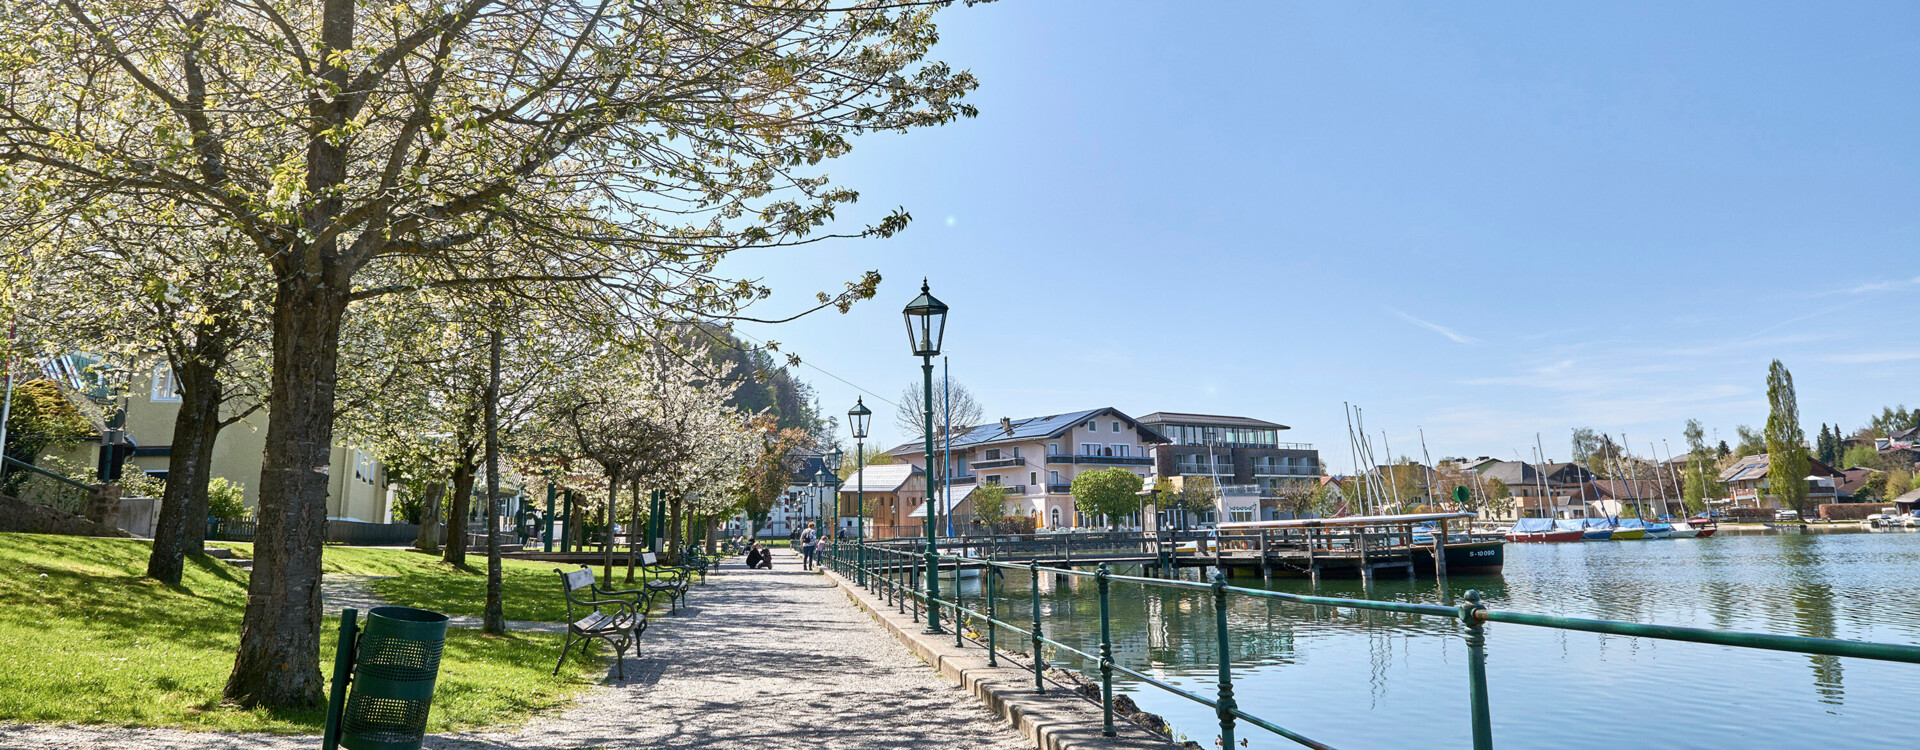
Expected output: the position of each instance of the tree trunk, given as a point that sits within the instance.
(428, 539)
(181, 529)
(633, 542)
(457, 512)
(493, 621)
(673, 531)
(608, 516)
(278, 662)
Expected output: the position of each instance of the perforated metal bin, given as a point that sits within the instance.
(394, 671)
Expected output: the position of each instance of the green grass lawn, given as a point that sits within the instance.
(85, 639)
(529, 590)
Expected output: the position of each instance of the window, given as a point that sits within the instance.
(1053, 449)
(1121, 450)
(1090, 449)
(1240, 514)
(1054, 518)
(1116, 425)
(993, 479)
(993, 454)
(1053, 477)
(1016, 451)
(1033, 477)
(165, 388)
(1093, 426)
(363, 468)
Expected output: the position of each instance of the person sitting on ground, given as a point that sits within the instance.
(757, 556)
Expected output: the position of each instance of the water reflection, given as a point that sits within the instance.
(1361, 679)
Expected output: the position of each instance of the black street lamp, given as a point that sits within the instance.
(926, 325)
(859, 418)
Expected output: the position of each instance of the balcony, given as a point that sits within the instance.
(1012, 489)
(1059, 489)
(998, 463)
(1063, 458)
(1203, 470)
(1285, 471)
(957, 479)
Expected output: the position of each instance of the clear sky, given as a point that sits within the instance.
(1486, 220)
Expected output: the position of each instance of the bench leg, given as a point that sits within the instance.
(563, 655)
(620, 657)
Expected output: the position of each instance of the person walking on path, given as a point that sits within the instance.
(808, 540)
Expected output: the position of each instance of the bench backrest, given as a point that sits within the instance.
(648, 558)
(578, 579)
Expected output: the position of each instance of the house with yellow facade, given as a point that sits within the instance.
(141, 414)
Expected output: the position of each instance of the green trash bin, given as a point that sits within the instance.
(397, 662)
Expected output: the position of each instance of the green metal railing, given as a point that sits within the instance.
(894, 575)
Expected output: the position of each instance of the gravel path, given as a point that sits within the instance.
(339, 591)
(759, 660)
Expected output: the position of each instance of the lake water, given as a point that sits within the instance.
(1375, 680)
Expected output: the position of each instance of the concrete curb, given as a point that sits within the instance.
(1055, 720)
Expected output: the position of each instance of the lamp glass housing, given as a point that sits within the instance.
(859, 418)
(926, 323)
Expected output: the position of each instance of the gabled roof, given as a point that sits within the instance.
(954, 496)
(1628, 490)
(882, 478)
(1033, 428)
(1754, 468)
(1210, 420)
(804, 468)
(1513, 473)
(1910, 496)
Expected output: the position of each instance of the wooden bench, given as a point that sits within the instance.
(671, 580)
(593, 612)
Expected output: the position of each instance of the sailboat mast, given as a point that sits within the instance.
(1426, 458)
(1546, 489)
(1353, 450)
(1679, 490)
(1632, 490)
(1395, 480)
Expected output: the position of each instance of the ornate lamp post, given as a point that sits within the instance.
(859, 418)
(926, 326)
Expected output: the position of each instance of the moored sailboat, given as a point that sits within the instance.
(1541, 530)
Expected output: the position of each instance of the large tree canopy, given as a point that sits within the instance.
(365, 147)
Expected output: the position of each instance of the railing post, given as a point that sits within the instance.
(959, 620)
(913, 584)
(1477, 672)
(991, 573)
(1033, 581)
(933, 588)
(1106, 656)
(1227, 705)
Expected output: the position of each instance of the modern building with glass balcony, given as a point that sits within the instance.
(1230, 450)
(1036, 459)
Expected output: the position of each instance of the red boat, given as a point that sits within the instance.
(1541, 530)
(1706, 527)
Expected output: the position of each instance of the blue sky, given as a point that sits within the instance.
(1484, 220)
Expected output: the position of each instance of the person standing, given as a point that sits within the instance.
(808, 540)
